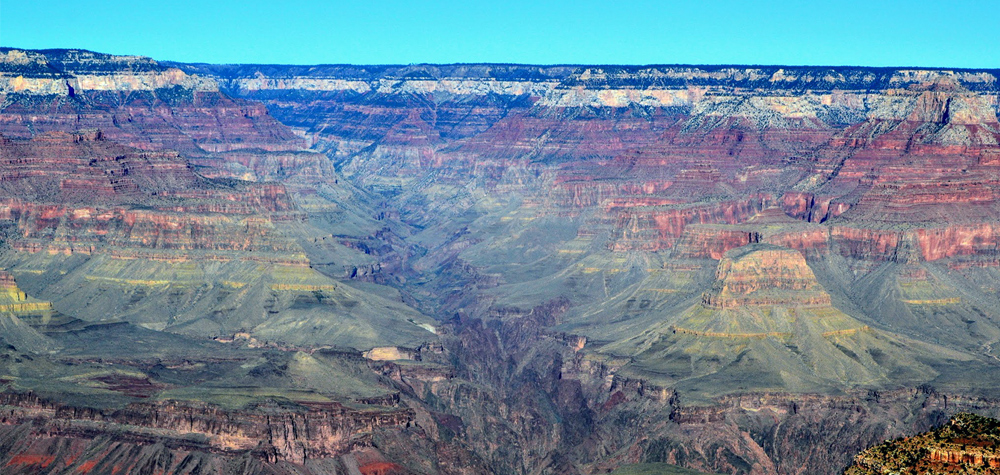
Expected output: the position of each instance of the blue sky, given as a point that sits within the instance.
(952, 33)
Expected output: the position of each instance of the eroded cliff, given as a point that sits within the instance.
(558, 269)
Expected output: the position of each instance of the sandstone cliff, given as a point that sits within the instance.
(729, 268)
(134, 100)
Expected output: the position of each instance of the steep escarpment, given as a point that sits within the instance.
(180, 221)
(765, 277)
(517, 393)
(620, 189)
(628, 139)
(134, 100)
(548, 269)
(78, 191)
(321, 431)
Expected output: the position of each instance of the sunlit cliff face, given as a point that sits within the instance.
(489, 268)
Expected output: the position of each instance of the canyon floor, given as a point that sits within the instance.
(476, 268)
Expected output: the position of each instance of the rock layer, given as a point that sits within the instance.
(133, 100)
(765, 277)
(562, 223)
(966, 444)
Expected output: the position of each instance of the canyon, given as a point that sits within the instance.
(481, 268)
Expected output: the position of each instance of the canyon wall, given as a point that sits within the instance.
(555, 269)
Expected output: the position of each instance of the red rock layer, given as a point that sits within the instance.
(765, 277)
(204, 121)
(712, 243)
(873, 155)
(960, 457)
(81, 192)
(7, 282)
(654, 229)
(807, 207)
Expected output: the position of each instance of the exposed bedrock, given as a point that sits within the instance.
(321, 431)
(84, 193)
(766, 277)
(556, 269)
(134, 100)
(659, 148)
(530, 398)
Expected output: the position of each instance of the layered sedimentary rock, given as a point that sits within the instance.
(850, 167)
(769, 225)
(158, 108)
(767, 311)
(324, 430)
(966, 444)
(14, 300)
(617, 255)
(212, 233)
(765, 277)
(632, 419)
(133, 99)
(886, 142)
(82, 193)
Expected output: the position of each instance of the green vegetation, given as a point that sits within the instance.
(654, 469)
(967, 444)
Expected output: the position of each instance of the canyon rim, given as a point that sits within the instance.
(489, 268)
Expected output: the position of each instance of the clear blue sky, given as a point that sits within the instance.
(951, 33)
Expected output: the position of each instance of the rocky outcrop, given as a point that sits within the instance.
(767, 314)
(657, 148)
(966, 444)
(653, 229)
(133, 100)
(626, 419)
(83, 193)
(14, 300)
(712, 242)
(770, 226)
(765, 277)
(602, 181)
(940, 243)
(207, 256)
(272, 434)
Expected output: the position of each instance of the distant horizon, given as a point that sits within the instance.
(918, 34)
(543, 65)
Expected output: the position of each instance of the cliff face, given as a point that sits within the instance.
(180, 213)
(765, 277)
(46, 437)
(81, 191)
(134, 100)
(875, 166)
(617, 188)
(871, 147)
(554, 269)
(559, 406)
(767, 315)
(965, 444)
(325, 431)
